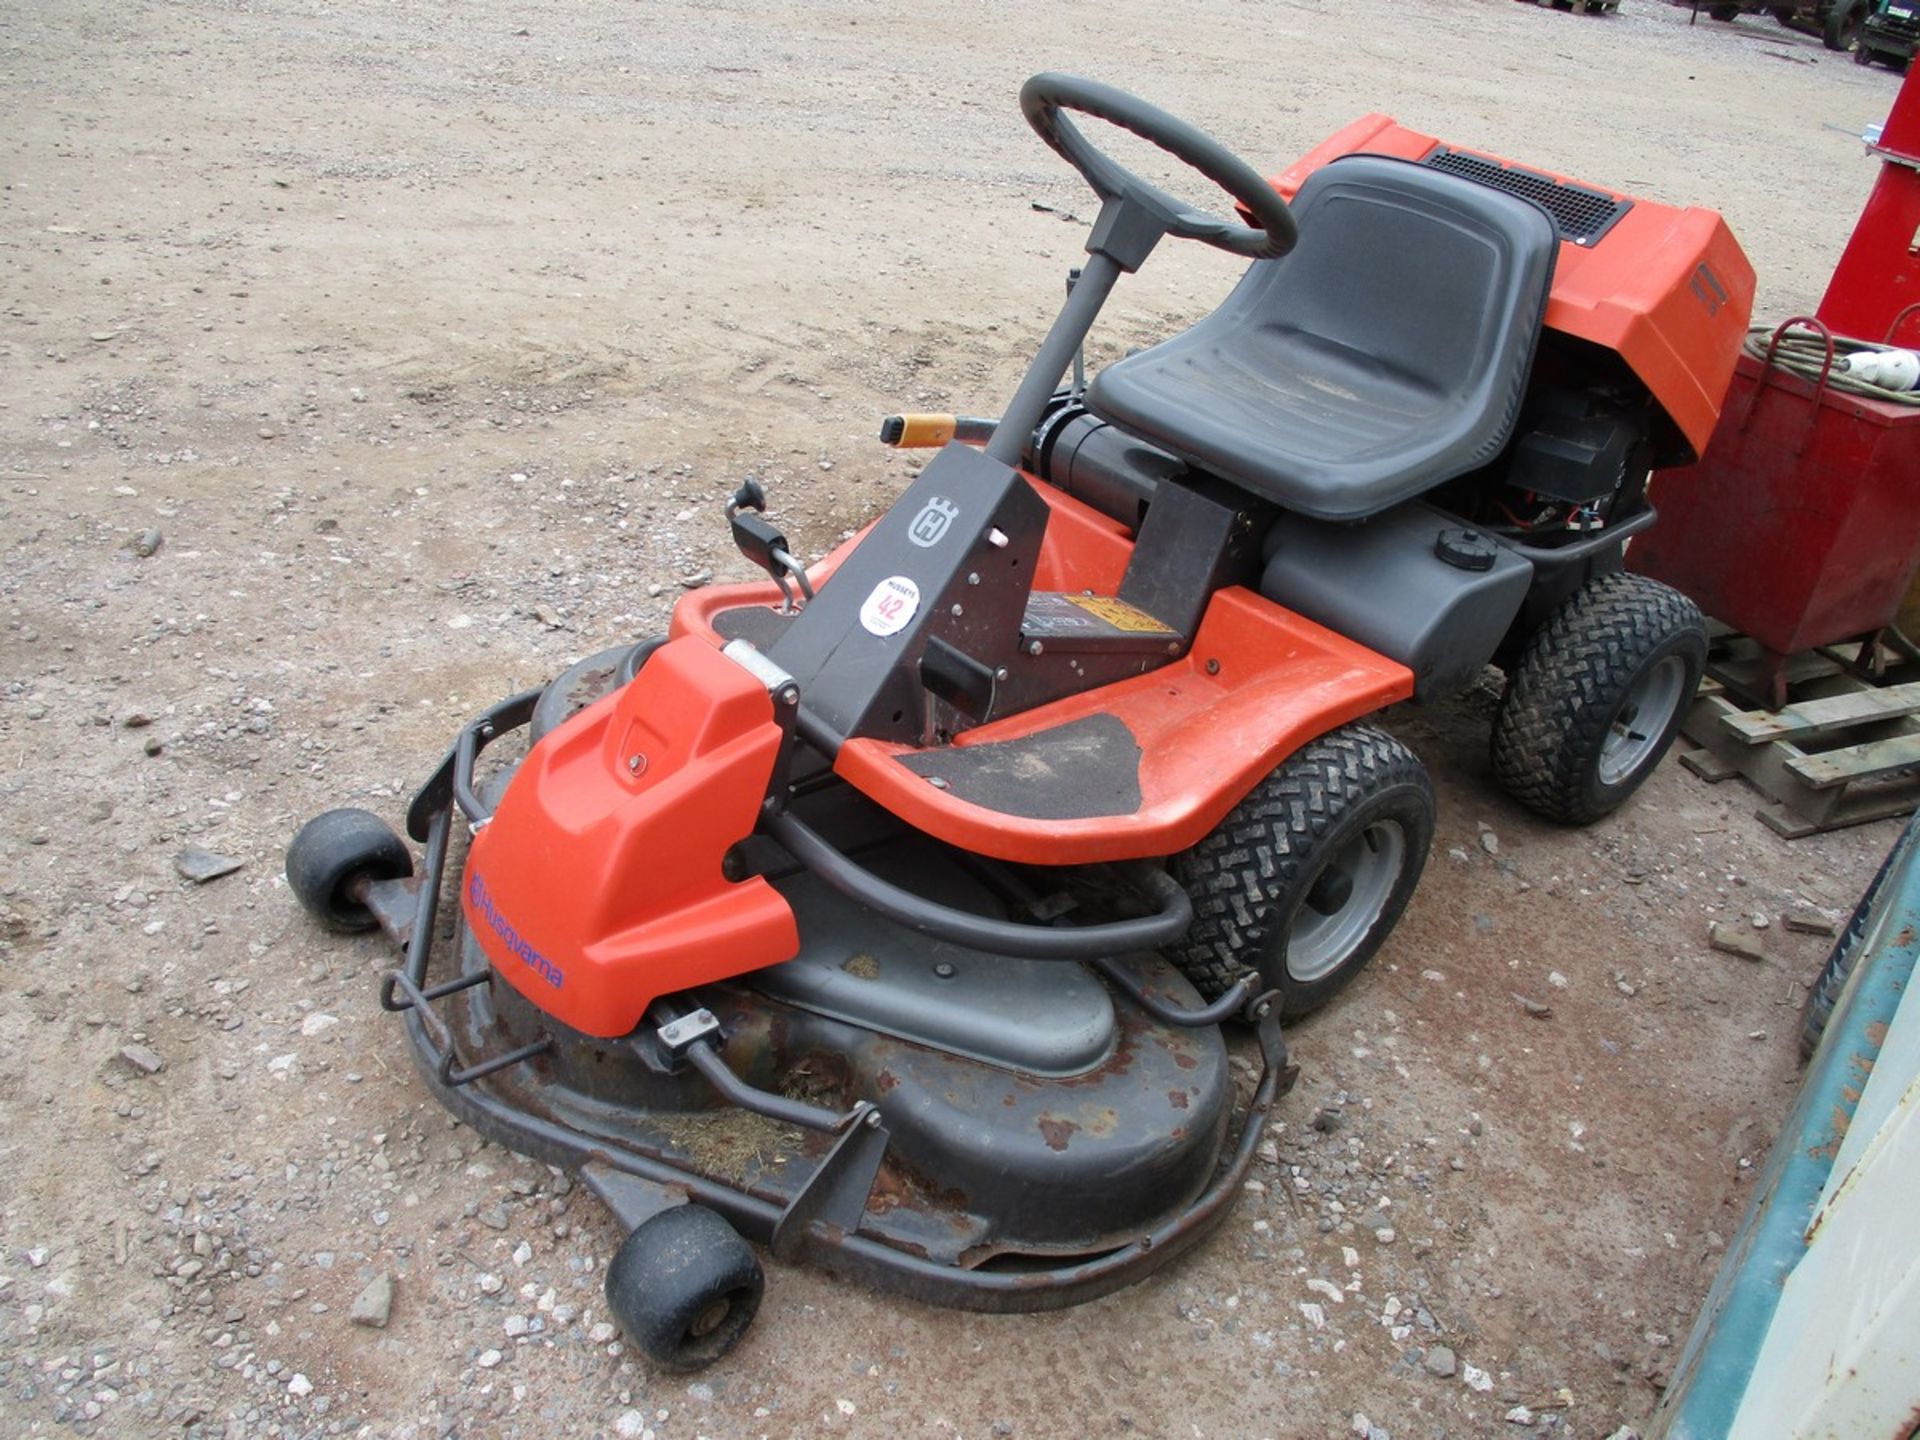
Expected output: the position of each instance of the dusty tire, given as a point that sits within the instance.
(1306, 876)
(685, 1287)
(334, 849)
(1842, 28)
(1818, 1009)
(1597, 696)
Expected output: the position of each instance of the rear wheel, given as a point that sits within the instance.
(685, 1287)
(1723, 12)
(1597, 697)
(1842, 28)
(1306, 876)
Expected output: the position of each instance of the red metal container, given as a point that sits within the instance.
(1801, 525)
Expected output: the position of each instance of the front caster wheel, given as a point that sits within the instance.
(333, 851)
(685, 1287)
(1307, 874)
(1597, 697)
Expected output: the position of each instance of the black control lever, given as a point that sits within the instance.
(762, 543)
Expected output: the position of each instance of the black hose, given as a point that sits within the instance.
(962, 927)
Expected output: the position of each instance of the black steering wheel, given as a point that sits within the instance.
(1047, 94)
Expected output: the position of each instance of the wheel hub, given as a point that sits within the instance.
(1641, 721)
(1345, 900)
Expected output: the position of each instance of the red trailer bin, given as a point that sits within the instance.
(1800, 526)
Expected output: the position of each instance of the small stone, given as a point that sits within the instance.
(631, 1425)
(146, 544)
(1807, 922)
(267, 432)
(37, 1257)
(494, 1217)
(1534, 1007)
(1732, 941)
(491, 1284)
(318, 1023)
(373, 1305)
(101, 337)
(200, 866)
(1557, 980)
(1489, 842)
(488, 1359)
(153, 745)
(142, 1060)
(522, 1253)
(1476, 1378)
(1327, 1120)
(1442, 1361)
(694, 582)
(299, 1386)
(601, 1333)
(516, 1326)
(138, 720)
(1519, 1415)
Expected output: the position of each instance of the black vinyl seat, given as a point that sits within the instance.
(1386, 354)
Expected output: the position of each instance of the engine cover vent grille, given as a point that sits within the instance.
(1582, 215)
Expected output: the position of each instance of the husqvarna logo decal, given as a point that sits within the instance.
(509, 937)
(930, 525)
(1707, 288)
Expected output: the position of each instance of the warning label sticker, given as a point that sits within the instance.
(890, 606)
(1119, 614)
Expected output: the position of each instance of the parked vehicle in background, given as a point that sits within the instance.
(1836, 22)
(1891, 34)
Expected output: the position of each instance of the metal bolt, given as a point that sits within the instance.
(636, 763)
(1213, 667)
(957, 610)
(1034, 647)
(789, 696)
(937, 782)
(944, 970)
(1001, 673)
(1173, 647)
(873, 1119)
(973, 577)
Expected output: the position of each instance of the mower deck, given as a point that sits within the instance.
(993, 1185)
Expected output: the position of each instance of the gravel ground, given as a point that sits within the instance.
(360, 364)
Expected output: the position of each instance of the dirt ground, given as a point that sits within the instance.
(425, 341)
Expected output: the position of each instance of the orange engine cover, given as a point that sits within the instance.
(597, 885)
(1666, 289)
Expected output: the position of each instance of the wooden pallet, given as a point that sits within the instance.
(1842, 751)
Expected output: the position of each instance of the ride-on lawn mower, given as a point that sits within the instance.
(890, 913)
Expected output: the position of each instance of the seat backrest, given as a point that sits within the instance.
(1386, 354)
(1424, 273)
